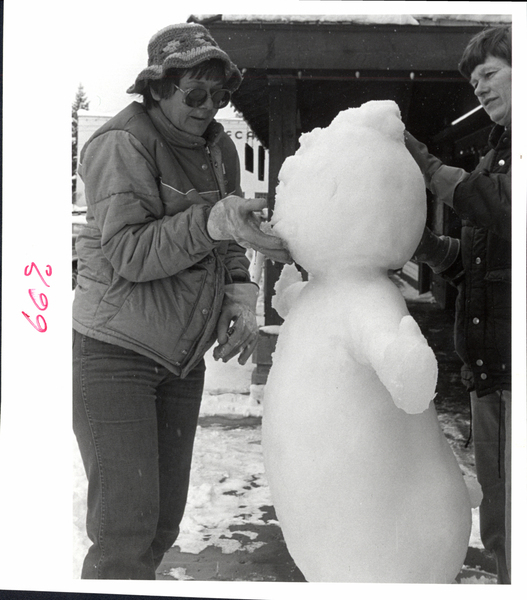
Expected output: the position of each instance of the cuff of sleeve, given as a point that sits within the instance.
(243, 293)
(444, 182)
(451, 251)
(206, 215)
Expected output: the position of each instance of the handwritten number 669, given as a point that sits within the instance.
(42, 302)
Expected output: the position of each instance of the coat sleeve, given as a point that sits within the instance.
(139, 240)
(484, 199)
(481, 197)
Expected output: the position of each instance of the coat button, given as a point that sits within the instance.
(501, 162)
(475, 320)
(204, 167)
(483, 376)
(205, 311)
(478, 260)
(479, 362)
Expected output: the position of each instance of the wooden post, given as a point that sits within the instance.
(283, 141)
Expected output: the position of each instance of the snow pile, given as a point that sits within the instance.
(180, 574)
(229, 404)
(228, 390)
(483, 578)
(364, 483)
(475, 18)
(372, 19)
(362, 19)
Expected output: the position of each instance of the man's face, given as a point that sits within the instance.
(491, 81)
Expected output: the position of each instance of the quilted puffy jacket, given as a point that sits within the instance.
(483, 310)
(150, 278)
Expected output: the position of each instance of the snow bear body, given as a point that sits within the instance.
(364, 483)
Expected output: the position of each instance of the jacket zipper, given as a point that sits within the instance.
(220, 187)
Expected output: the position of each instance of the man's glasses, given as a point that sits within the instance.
(195, 97)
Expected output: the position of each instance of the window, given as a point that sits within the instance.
(261, 163)
(249, 158)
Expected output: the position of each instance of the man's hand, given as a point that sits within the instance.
(427, 162)
(440, 179)
(438, 252)
(233, 218)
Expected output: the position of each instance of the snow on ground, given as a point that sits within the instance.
(228, 488)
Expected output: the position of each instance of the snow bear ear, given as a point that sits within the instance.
(383, 116)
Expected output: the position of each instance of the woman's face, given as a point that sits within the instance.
(491, 81)
(184, 117)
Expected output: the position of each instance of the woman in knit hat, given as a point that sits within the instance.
(162, 276)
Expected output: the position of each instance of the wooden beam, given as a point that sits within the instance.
(263, 45)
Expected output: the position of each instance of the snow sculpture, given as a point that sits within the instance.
(365, 485)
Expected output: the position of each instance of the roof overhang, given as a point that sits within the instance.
(339, 65)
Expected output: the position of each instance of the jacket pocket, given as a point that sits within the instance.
(164, 315)
(499, 275)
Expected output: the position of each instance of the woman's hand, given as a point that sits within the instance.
(234, 218)
(237, 329)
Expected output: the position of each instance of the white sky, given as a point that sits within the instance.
(111, 49)
(110, 43)
(49, 48)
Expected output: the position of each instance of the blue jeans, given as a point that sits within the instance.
(491, 427)
(135, 424)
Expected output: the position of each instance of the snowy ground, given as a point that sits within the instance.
(229, 496)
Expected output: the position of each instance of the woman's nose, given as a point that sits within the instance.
(481, 89)
(208, 104)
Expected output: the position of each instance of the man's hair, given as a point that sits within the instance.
(213, 69)
(494, 41)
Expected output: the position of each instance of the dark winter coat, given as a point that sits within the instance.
(483, 310)
(150, 278)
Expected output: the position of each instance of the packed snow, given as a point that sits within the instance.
(364, 483)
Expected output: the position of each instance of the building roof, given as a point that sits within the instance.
(339, 61)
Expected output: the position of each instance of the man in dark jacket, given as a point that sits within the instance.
(480, 265)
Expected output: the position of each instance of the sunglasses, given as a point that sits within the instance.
(195, 97)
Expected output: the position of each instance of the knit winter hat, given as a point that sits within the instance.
(183, 46)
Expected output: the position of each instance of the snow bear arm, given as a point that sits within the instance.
(406, 365)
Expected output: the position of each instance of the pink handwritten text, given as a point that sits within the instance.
(39, 300)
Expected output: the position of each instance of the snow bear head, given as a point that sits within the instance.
(352, 197)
